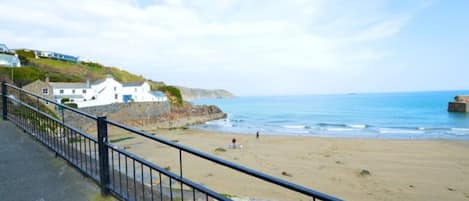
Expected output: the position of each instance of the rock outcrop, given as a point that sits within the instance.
(195, 93)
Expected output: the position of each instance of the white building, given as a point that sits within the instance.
(105, 91)
(8, 57)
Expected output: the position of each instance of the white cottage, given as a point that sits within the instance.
(105, 91)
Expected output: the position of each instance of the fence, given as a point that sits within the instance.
(118, 172)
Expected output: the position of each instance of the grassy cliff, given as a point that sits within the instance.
(63, 71)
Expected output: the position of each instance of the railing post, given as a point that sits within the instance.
(4, 101)
(103, 156)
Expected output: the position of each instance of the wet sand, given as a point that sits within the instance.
(351, 169)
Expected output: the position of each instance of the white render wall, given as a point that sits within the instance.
(107, 92)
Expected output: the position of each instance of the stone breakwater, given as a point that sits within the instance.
(148, 116)
(460, 104)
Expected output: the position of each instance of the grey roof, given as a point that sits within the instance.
(132, 84)
(68, 85)
(99, 81)
(69, 96)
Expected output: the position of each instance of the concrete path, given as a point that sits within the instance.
(30, 172)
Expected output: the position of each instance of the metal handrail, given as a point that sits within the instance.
(89, 137)
(248, 171)
(91, 116)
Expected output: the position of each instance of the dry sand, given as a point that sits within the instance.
(398, 169)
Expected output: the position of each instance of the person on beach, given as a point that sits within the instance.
(233, 141)
(257, 135)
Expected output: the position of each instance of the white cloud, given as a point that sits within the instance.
(175, 39)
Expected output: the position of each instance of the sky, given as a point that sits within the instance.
(261, 47)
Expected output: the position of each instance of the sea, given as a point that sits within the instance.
(408, 115)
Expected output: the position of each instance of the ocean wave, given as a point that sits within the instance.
(331, 125)
(219, 123)
(357, 125)
(340, 129)
(295, 126)
(400, 131)
(460, 129)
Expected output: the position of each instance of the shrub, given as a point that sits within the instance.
(72, 105)
(173, 93)
(64, 100)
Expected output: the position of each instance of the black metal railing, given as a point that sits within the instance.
(117, 171)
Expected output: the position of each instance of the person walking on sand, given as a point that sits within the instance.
(257, 135)
(233, 141)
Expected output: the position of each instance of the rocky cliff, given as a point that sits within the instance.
(195, 93)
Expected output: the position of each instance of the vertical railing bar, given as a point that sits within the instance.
(193, 193)
(103, 155)
(53, 126)
(75, 147)
(134, 176)
(180, 173)
(126, 177)
(90, 157)
(4, 101)
(95, 160)
(143, 183)
(161, 187)
(120, 174)
(86, 155)
(170, 189)
(151, 183)
(112, 166)
(81, 150)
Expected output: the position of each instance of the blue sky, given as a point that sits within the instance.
(264, 47)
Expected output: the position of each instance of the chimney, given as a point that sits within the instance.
(47, 79)
(88, 83)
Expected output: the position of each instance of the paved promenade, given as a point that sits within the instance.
(31, 172)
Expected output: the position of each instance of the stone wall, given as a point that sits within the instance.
(458, 107)
(146, 116)
(130, 111)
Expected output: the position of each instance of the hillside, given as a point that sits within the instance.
(195, 93)
(63, 71)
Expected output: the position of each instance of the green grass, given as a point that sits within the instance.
(24, 53)
(120, 139)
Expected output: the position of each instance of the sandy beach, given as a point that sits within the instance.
(351, 169)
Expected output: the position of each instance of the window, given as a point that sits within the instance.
(73, 91)
(84, 91)
(45, 91)
(61, 91)
(115, 96)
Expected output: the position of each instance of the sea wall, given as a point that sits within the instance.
(147, 116)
